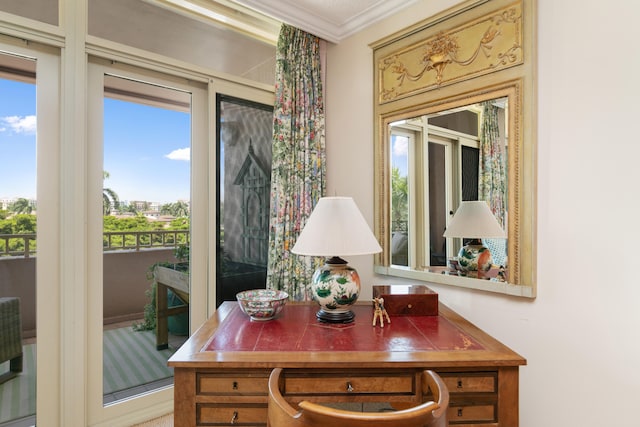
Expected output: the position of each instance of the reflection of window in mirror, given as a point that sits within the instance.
(459, 164)
(402, 140)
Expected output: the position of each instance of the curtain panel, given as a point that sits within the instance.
(298, 166)
(492, 179)
(492, 171)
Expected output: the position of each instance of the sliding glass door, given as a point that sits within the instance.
(152, 199)
(244, 184)
(18, 242)
(142, 181)
(146, 223)
(29, 186)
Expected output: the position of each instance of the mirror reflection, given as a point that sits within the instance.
(438, 160)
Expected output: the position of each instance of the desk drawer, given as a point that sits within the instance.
(467, 382)
(255, 384)
(350, 384)
(478, 413)
(231, 414)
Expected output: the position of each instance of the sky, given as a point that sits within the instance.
(17, 139)
(146, 152)
(146, 149)
(400, 153)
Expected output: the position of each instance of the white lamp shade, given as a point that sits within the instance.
(336, 227)
(474, 220)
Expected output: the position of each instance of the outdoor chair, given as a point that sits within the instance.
(10, 337)
(309, 414)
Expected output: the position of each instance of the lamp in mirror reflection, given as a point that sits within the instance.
(336, 228)
(474, 220)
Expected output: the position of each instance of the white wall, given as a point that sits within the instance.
(581, 335)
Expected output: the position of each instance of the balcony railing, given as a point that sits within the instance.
(17, 245)
(24, 245)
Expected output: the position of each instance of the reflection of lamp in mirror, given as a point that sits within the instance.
(336, 228)
(474, 220)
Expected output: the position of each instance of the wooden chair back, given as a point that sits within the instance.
(309, 414)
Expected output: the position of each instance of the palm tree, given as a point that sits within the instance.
(399, 199)
(110, 199)
(181, 209)
(177, 209)
(131, 208)
(20, 206)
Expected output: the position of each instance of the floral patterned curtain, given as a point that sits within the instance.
(298, 166)
(492, 178)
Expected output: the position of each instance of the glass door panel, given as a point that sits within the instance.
(146, 234)
(244, 184)
(439, 182)
(18, 243)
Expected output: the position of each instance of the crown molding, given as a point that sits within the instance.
(293, 13)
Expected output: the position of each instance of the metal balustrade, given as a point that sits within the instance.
(17, 245)
(24, 245)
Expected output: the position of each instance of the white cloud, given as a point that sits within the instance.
(401, 146)
(183, 154)
(17, 124)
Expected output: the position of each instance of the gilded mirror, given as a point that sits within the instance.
(439, 86)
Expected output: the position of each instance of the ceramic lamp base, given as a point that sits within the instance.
(335, 287)
(474, 257)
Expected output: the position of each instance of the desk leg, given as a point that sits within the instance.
(184, 397)
(508, 399)
(162, 324)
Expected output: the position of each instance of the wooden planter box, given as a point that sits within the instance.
(178, 281)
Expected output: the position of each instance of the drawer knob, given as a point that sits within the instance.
(235, 385)
(234, 418)
(459, 412)
(349, 387)
(459, 383)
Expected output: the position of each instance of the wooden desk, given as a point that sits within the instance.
(221, 372)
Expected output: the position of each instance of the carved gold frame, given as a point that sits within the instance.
(475, 51)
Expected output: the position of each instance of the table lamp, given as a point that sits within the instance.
(336, 228)
(474, 220)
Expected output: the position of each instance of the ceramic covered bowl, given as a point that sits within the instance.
(262, 304)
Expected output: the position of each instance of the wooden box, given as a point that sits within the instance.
(407, 300)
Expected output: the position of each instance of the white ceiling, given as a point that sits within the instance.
(332, 20)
